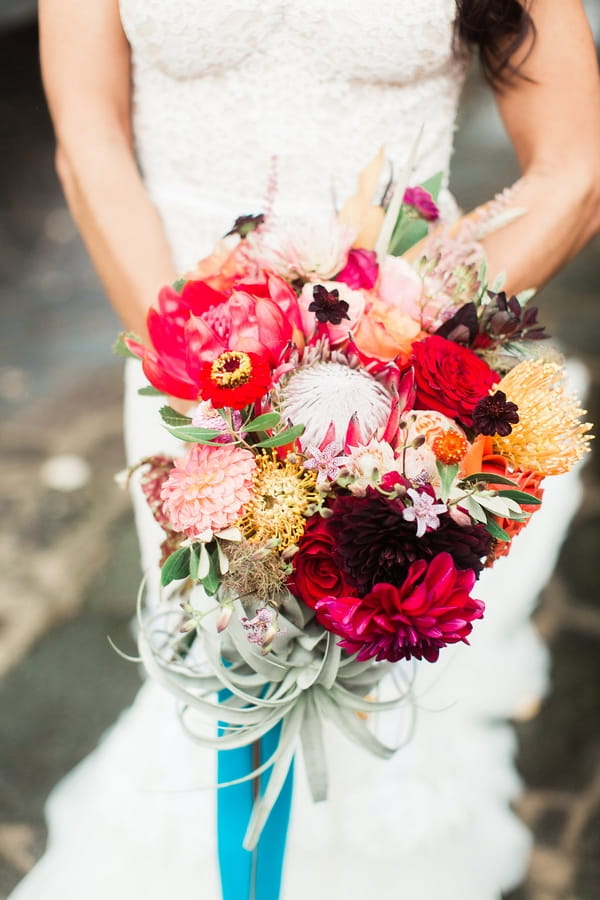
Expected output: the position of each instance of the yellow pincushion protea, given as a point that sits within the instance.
(282, 494)
(550, 436)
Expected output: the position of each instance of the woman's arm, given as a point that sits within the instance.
(553, 122)
(86, 72)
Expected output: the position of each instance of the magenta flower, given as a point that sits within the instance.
(431, 609)
(361, 270)
(422, 201)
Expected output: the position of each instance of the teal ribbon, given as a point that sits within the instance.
(256, 874)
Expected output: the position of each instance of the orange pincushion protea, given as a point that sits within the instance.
(450, 447)
(549, 438)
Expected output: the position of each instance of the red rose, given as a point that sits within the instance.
(316, 574)
(449, 378)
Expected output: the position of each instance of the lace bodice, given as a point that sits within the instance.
(220, 88)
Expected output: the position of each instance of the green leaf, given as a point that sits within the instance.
(194, 561)
(120, 348)
(433, 184)
(262, 423)
(150, 391)
(496, 532)
(447, 475)
(212, 581)
(490, 478)
(194, 435)
(521, 497)
(170, 416)
(406, 234)
(284, 437)
(179, 284)
(176, 566)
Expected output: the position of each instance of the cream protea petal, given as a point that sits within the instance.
(303, 249)
(326, 392)
(208, 488)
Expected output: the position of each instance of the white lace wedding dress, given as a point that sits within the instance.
(219, 89)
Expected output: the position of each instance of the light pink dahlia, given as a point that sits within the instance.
(432, 608)
(208, 488)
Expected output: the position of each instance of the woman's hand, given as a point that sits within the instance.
(86, 71)
(553, 121)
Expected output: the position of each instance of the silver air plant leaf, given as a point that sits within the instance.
(305, 679)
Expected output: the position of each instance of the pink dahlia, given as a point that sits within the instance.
(208, 488)
(431, 609)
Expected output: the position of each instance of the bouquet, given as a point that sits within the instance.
(368, 426)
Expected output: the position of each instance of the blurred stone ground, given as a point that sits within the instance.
(68, 566)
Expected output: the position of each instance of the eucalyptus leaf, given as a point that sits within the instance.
(170, 416)
(177, 566)
(284, 437)
(261, 423)
(490, 478)
(521, 497)
(474, 509)
(496, 532)
(499, 506)
(194, 435)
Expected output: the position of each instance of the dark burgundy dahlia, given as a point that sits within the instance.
(431, 609)
(374, 543)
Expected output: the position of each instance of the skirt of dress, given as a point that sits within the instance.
(137, 817)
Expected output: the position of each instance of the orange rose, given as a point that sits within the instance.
(386, 334)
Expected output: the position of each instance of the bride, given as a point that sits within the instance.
(168, 116)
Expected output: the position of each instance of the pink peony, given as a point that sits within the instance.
(361, 270)
(197, 325)
(432, 608)
(208, 488)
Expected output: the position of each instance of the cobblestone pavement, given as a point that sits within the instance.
(68, 569)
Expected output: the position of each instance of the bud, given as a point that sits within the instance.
(290, 551)
(418, 441)
(121, 478)
(224, 618)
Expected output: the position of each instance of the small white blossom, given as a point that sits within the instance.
(327, 463)
(424, 511)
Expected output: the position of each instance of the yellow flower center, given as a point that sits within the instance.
(231, 368)
(281, 497)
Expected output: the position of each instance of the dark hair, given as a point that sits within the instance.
(498, 28)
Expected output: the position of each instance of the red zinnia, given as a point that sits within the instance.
(234, 379)
(431, 609)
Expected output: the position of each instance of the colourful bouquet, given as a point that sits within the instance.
(369, 427)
